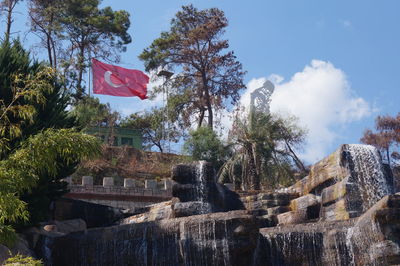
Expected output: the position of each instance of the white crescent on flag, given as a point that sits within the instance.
(107, 78)
(118, 81)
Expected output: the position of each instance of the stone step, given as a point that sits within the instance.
(337, 191)
(292, 217)
(278, 210)
(340, 210)
(304, 202)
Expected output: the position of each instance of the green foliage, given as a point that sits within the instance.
(265, 151)
(91, 31)
(33, 149)
(208, 77)
(154, 128)
(91, 113)
(73, 31)
(36, 157)
(22, 260)
(204, 144)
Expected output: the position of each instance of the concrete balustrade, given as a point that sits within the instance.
(132, 187)
(150, 184)
(129, 182)
(87, 181)
(108, 181)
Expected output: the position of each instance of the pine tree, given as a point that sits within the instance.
(34, 148)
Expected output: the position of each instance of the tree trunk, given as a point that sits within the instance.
(254, 178)
(79, 89)
(208, 102)
(210, 116)
(201, 118)
(49, 51)
(9, 20)
(52, 44)
(296, 159)
(159, 146)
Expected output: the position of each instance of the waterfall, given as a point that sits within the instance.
(349, 245)
(369, 174)
(202, 192)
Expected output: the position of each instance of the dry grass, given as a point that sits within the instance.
(127, 162)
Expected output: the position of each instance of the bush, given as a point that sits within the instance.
(204, 144)
(22, 260)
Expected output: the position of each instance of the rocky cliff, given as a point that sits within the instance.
(343, 213)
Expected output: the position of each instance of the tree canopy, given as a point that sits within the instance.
(34, 146)
(386, 139)
(154, 128)
(208, 77)
(73, 31)
(204, 144)
(265, 145)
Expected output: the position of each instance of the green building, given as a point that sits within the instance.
(120, 136)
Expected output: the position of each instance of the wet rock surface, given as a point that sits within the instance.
(349, 181)
(198, 192)
(343, 213)
(210, 239)
(372, 239)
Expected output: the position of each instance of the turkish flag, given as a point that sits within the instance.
(118, 81)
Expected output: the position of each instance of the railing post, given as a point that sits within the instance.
(87, 181)
(108, 182)
(129, 182)
(150, 184)
(167, 184)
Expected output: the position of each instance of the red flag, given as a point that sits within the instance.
(118, 81)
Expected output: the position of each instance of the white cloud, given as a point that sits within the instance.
(321, 97)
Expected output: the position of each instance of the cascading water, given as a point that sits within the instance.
(368, 174)
(202, 188)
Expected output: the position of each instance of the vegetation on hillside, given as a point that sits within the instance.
(156, 131)
(36, 151)
(209, 78)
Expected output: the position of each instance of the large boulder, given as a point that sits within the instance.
(349, 181)
(94, 215)
(198, 192)
(157, 211)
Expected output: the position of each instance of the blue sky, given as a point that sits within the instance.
(336, 64)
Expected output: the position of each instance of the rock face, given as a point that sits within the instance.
(94, 215)
(198, 192)
(372, 239)
(211, 239)
(349, 182)
(343, 213)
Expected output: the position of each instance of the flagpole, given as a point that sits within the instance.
(90, 69)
